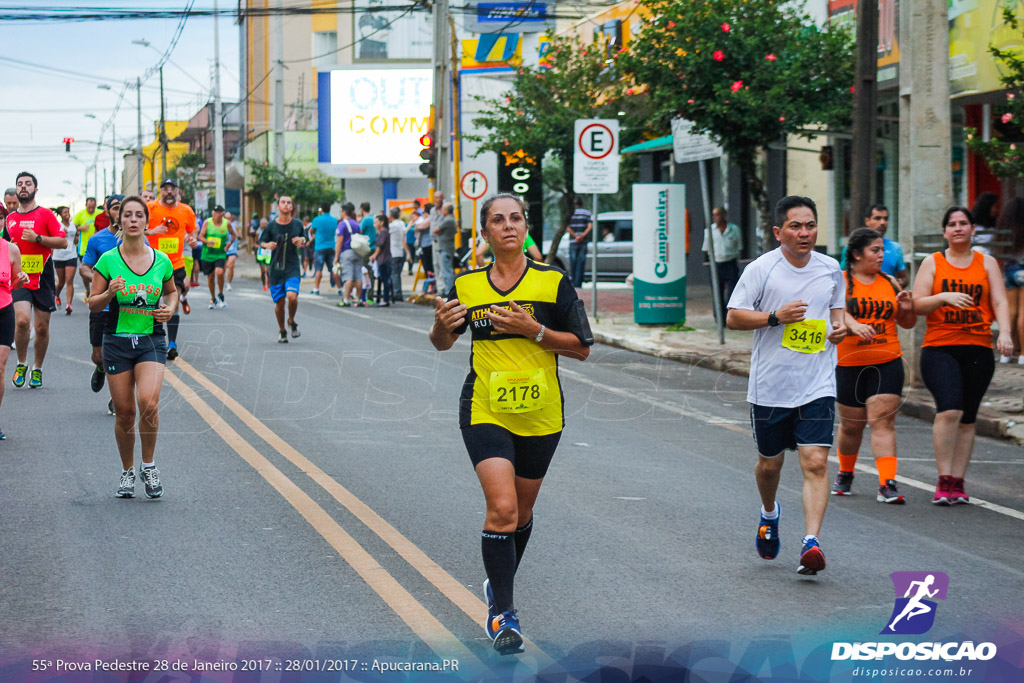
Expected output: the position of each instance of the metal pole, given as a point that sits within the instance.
(443, 173)
(456, 131)
(862, 163)
(218, 115)
(593, 268)
(96, 182)
(716, 295)
(278, 47)
(472, 240)
(113, 158)
(163, 132)
(139, 161)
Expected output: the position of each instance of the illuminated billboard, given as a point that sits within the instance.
(371, 119)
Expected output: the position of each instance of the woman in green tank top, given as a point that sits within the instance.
(216, 235)
(130, 279)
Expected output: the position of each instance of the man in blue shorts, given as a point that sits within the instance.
(794, 299)
(324, 227)
(284, 237)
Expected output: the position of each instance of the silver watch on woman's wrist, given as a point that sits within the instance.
(540, 335)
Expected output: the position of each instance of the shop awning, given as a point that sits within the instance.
(656, 145)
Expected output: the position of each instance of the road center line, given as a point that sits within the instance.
(452, 589)
(422, 623)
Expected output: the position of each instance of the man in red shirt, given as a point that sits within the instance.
(37, 232)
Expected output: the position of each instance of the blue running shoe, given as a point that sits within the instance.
(767, 541)
(812, 560)
(489, 596)
(505, 630)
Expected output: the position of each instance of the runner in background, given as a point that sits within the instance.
(85, 222)
(262, 255)
(101, 242)
(215, 235)
(172, 224)
(231, 253)
(961, 291)
(284, 238)
(36, 232)
(65, 261)
(869, 377)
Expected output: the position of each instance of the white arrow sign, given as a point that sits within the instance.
(596, 156)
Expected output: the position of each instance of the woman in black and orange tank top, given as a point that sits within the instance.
(869, 374)
(960, 290)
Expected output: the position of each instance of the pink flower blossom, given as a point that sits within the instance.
(718, 55)
(1007, 118)
(770, 57)
(782, 118)
(671, 24)
(1010, 96)
(689, 101)
(736, 85)
(726, 28)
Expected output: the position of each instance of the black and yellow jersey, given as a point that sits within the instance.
(513, 381)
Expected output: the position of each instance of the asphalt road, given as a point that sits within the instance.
(320, 512)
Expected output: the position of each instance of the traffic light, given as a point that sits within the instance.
(429, 156)
(67, 144)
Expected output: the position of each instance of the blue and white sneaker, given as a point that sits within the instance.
(767, 541)
(812, 560)
(489, 596)
(506, 633)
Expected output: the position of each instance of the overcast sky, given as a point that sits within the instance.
(39, 108)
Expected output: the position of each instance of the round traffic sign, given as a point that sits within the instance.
(596, 141)
(473, 185)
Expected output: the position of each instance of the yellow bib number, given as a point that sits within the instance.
(168, 245)
(32, 263)
(518, 392)
(213, 242)
(806, 336)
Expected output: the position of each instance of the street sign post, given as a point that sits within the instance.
(473, 186)
(595, 171)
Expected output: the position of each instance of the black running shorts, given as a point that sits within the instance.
(529, 455)
(7, 325)
(121, 354)
(855, 384)
(957, 377)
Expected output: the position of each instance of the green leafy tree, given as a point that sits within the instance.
(1004, 158)
(308, 189)
(746, 72)
(536, 117)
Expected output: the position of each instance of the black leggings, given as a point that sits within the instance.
(958, 376)
(529, 455)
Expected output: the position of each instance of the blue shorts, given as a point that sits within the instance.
(277, 292)
(1014, 275)
(781, 429)
(321, 258)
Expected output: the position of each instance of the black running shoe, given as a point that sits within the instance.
(295, 330)
(151, 478)
(172, 351)
(889, 494)
(841, 486)
(282, 337)
(126, 489)
(98, 378)
(110, 407)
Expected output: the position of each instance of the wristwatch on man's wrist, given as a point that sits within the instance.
(39, 239)
(773, 320)
(540, 335)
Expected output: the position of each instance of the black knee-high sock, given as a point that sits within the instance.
(499, 551)
(522, 537)
(172, 328)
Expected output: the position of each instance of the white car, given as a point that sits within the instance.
(614, 256)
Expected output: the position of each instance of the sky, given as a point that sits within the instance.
(38, 108)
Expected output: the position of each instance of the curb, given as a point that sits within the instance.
(999, 428)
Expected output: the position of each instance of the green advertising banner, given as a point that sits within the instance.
(659, 253)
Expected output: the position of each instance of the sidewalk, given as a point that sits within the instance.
(1001, 414)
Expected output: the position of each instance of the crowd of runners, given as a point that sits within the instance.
(825, 337)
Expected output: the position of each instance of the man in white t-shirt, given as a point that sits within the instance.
(396, 232)
(794, 299)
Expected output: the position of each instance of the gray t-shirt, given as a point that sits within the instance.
(446, 236)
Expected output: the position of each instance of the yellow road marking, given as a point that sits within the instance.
(415, 615)
(452, 589)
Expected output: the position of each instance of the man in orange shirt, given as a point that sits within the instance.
(171, 223)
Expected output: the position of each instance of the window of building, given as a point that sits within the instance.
(325, 44)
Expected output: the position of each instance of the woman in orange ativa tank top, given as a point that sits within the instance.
(960, 290)
(869, 376)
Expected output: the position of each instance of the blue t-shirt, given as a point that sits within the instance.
(366, 227)
(99, 244)
(892, 258)
(324, 226)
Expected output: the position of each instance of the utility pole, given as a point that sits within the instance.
(441, 111)
(139, 161)
(163, 132)
(456, 193)
(925, 180)
(218, 115)
(113, 158)
(862, 163)
(278, 42)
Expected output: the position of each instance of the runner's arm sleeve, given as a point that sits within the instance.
(101, 269)
(461, 329)
(572, 313)
(743, 294)
(838, 290)
(54, 226)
